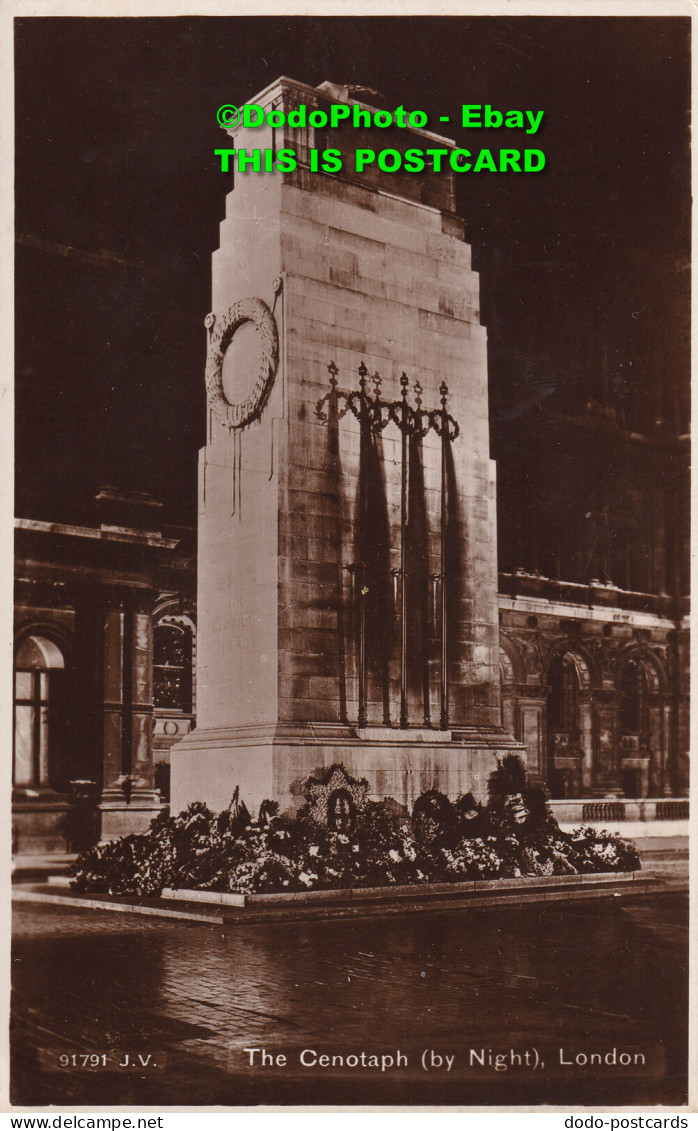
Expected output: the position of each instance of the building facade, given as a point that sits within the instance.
(104, 654)
(105, 659)
(595, 687)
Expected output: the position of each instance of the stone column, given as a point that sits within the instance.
(667, 785)
(129, 801)
(681, 717)
(113, 692)
(586, 743)
(141, 682)
(531, 730)
(606, 769)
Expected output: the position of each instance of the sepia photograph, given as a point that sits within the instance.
(351, 596)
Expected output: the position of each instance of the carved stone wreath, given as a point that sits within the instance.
(222, 330)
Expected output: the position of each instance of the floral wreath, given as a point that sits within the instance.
(319, 790)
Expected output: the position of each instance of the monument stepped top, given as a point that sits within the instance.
(337, 92)
(354, 93)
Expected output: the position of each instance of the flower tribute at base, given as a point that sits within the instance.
(340, 839)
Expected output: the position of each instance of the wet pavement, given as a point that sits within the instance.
(530, 1003)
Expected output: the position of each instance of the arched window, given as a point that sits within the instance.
(38, 756)
(172, 667)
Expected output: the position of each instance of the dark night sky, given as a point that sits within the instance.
(115, 136)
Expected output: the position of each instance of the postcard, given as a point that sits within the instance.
(351, 720)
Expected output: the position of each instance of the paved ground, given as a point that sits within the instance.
(189, 999)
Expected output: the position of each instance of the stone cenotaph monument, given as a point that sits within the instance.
(347, 561)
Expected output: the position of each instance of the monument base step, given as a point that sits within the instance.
(208, 764)
(210, 907)
(121, 816)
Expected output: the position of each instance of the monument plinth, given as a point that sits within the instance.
(347, 565)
